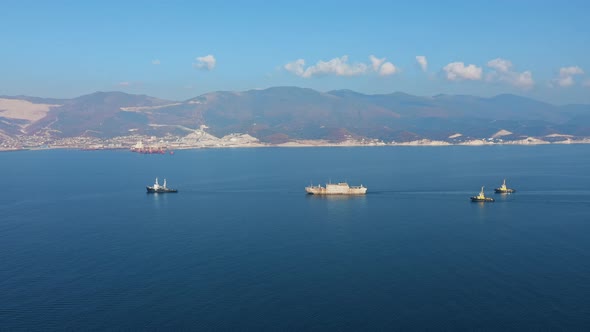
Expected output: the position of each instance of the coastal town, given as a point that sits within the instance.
(201, 139)
(132, 142)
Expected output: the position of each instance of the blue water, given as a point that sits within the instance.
(241, 247)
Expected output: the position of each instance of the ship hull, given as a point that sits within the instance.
(477, 199)
(149, 151)
(325, 193)
(151, 190)
(504, 191)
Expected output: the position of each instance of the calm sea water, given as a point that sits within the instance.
(241, 247)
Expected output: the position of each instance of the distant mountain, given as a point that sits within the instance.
(98, 114)
(290, 112)
(36, 100)
(281, 114)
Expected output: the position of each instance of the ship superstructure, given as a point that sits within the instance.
(157, 188)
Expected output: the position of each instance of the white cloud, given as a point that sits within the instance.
(566, 75)
(458, 71)
(523, 80)
(382, 67)
(503, 73)
(341, 67)
(387, 69)
(296, 67)
(421, 59)
(336, 66)
(205, 62)
(156, 62)
(565, 81)
(501, 65)
(569, 71)
(376, 62)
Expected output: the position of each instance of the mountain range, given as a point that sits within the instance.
(282, 114)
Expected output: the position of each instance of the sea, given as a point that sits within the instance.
(241, 247)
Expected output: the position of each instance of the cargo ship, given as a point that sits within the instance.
(481, 197)
(157, 188)
(140, 148)
(341, 188)
(503, 189)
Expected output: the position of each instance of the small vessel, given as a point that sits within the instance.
(157, 188)
(481, 197)
(341, 188)
(503, 189)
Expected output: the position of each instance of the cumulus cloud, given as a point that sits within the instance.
(336, 66)
(457, 71)
(565, 81)
(573, 70)
(421, 59)
(296, 67)
(376, 62)
(156, 62)
(387, 69)
(566, 75)
(523, 80)
(206, 62)
(502, 72)
(341, 67)
(381, 67)
(499, 64)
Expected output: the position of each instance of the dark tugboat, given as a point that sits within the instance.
(481, 197)
(504, 190)
(157, 188)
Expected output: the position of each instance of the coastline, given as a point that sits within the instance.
(530, 141)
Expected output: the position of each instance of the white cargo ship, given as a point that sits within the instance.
(341, 188)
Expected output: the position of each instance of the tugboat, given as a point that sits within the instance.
(481, 197)
(504, 190)
(157, 188)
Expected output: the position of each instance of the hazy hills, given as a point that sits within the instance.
(281, 114)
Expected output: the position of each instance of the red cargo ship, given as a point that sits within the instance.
(140, 148)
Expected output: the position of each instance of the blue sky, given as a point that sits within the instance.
(539, 49)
